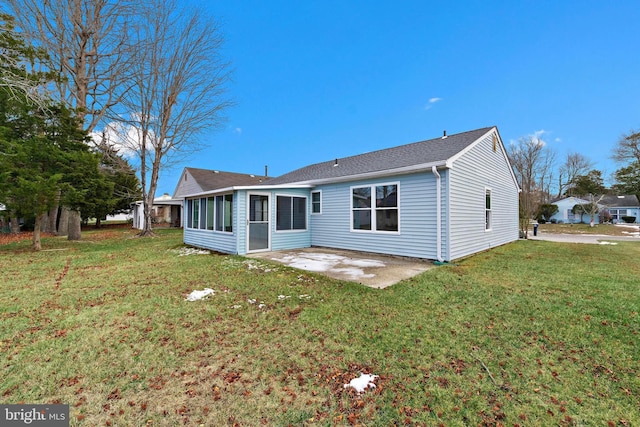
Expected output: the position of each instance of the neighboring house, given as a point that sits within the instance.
(565, 213)
(617, 206)
(165, 210)
(4, 223)
(440, 199)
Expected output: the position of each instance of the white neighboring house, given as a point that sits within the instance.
(618, 206)
(3, 220)
(165, 210)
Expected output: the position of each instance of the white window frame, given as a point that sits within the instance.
(373, 209)
(488, 212)
(319, 192)
(217, 214)
(202, 205)
(306, 213)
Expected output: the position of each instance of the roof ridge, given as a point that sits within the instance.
(455, 135)
(219, 171)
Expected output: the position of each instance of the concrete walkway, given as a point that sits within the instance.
(373, 270)
(596, 239)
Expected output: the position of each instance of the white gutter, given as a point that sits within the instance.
(245, 187)
(314, 182)
(438, 214)
(376, 174)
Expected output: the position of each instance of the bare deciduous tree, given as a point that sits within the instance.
(87, 43)
(574, 166)
(532, 162)
(592, 208)
(627, 150)
(178, 90)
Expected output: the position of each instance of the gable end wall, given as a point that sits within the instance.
(478, 169)
(186, 186)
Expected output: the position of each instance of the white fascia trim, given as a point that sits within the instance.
(423, 167)
(246, 187)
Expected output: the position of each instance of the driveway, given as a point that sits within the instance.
(375, 271)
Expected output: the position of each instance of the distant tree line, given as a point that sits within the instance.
(542, 180)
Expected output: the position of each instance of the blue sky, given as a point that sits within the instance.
(317, 80)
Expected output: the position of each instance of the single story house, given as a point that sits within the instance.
(620, 206)
(440, 199)
(165, 210)
(616, 206)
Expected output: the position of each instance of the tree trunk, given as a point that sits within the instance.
(53, 220)
(15, 225)
(75, 225)
(53, 215)
(148, 200)
(63, 227)
(147, 207)
(44, 223)
(36, 233)
(98, 223)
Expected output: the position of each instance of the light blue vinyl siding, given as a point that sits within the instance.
(417, 223)
(280, 240)
(477, 170)
(290, 239)
(214, 240)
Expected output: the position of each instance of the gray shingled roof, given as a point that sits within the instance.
(629, 201)
(210, 180)
(423, 152)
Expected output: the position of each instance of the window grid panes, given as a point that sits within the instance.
(385, 210)
(316, 202)
(211, 213)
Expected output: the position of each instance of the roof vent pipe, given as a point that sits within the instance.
(444, 134)
(266, 171)
(336, 163)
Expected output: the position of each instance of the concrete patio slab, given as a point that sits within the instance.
(373, 270)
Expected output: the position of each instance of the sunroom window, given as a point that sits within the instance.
(291, 213)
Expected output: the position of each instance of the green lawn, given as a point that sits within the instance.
(533, 334)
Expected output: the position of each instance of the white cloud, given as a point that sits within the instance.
(238, 130)
(127, 138)
(538, 135)
(431, 102)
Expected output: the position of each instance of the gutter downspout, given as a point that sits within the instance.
(438, 214)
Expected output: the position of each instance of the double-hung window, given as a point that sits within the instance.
(291, 213)
(375, 208)
(316, 202)
(487, 209)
